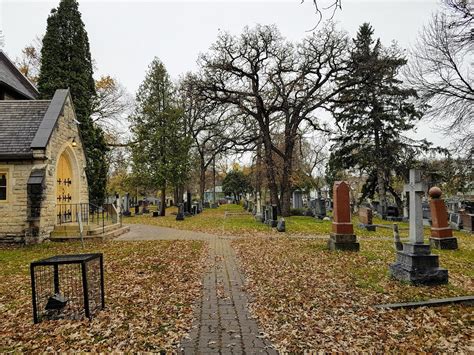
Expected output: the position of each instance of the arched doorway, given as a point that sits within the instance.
(67, 189)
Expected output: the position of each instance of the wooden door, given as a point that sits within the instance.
(64, 191)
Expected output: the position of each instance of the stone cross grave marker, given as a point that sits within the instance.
(415, 190)
(415, 264)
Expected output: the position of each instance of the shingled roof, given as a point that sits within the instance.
(28, 124)
(14, 79)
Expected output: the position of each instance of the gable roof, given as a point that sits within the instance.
(11, 77)
(28, 124)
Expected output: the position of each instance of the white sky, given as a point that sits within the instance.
(126, 35)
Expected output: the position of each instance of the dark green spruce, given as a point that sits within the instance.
(373, 115)
(66, 63)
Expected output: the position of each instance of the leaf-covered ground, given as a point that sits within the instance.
(308, 298)
(150, 289)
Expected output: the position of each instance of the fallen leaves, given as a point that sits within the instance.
(150, 291)
(310, 299)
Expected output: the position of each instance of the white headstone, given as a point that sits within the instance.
(415, 190)
(297, 199)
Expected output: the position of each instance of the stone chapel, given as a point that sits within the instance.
(42, 160)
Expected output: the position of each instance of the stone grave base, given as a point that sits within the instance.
(369, 227)
(444, 243)
(416, 265)
(281, 225)
(272, 223)
(343, 242)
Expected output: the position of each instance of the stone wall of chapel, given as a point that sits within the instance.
(13, 211)
(14, 223)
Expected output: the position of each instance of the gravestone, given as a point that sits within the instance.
(329, 204)
(415, 263)
(342, 236)
(126, 205)
(467, 220)
(426, 210)
(281, 227)
(207, 204)
(271, 215)
(194, 209)
(365, 218)
(455, 221)
(145, 205)
(393, 214)
(441, 232)
(189, 202)
(180, 215)
(320, 208)
(405, 207)
(258, 209)
(297, 199)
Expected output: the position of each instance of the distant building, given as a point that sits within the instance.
(209, 194)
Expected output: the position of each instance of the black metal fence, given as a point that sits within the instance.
(87, 212)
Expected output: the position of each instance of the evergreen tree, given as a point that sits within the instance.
(372, 116)
(160, 156)
(236, 183)
(66, 63)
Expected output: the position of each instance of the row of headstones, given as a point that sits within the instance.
(415, 263)
(189, 208)
(140, 206)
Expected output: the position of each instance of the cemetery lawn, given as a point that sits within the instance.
(233, 220)
(150, 288)
(308, 298)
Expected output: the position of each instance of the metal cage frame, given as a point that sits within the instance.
(55, 261)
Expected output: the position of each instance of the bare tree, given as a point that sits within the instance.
(29, 62)
(276, 88)
(441, 70)
(208, 124)
(112, 105)
(330, 6)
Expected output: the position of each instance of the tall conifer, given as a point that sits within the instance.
(373, 112)
(66, 63)
(161, 154)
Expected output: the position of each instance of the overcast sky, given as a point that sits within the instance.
(126, 35)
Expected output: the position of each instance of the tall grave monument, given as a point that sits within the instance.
(415, 263)
(441, 232)
(342, 236)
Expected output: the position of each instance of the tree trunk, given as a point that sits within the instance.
(285, 187)
(272, 185)
(380, 175)
(202, 180)
(163, 202)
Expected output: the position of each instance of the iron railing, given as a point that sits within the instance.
(89, 213)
